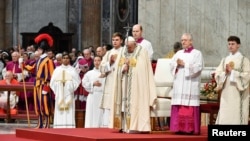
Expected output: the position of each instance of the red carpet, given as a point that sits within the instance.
(97, 134)
(12, 137)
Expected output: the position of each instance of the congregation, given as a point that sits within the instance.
(114, 83)
(32, 65)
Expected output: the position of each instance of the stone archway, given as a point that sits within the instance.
(62, 41)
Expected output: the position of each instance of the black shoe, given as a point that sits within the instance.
(189, 133)
(40, 122)
(121, 131)
(180, 133)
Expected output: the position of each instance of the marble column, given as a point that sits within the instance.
(8, 41)
(91, 23)
(2, 11)
(6, 34)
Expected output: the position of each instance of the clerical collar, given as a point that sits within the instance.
(235, 54)
(117, 48)
(139, 40)
(188, 50)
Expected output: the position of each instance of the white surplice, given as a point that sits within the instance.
(93, 113)
(148, 46)
(64, 114)
(186, 86)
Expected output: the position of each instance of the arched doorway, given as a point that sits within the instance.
(62, 41)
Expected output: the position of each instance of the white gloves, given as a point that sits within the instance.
(44, 92)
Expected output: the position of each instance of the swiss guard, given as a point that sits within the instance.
(43, 68)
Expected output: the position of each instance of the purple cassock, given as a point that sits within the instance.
(13, 67)
(30, 79)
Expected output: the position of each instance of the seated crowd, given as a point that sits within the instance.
(11, 72)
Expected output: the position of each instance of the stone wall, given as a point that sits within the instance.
(17, 16)
(2, 9)
(210, 22)
(33, 15)
(81, 17)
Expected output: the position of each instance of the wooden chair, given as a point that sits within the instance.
(164, 82)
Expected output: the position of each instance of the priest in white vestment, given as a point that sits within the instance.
(108, 68)
(186, 66)
(65, 80)
(134, 90)
(232, 77)
(93, 83)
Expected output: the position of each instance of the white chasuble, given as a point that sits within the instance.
(134, 92)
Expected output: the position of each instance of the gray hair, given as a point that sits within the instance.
(59, 55)
(189, 35)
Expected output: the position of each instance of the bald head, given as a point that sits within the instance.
(15, 56)
(87, 53)
(137, 31)
(100, 51)
(138, 26)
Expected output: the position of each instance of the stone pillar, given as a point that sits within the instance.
(8, 41)
(91, 23)
(2, 16)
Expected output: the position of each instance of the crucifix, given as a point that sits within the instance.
(127, 28)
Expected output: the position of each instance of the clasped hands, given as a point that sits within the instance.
(180, 62)
(229, 67)
(125, 66)
(112, 59)
(97, 83)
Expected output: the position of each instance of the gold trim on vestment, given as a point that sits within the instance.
(121, 61)
(132, 62)
(117, 122)
(66, 108)
(128, 122)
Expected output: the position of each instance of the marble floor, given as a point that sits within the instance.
(10, 128)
